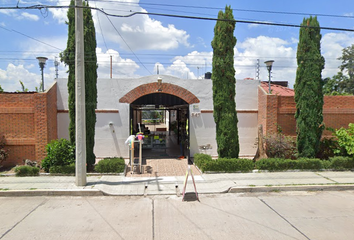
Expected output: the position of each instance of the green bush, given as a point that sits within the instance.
(279, 164)
(224, 164)
(200, 159)
(341, 163)
(23, 171)
(110, 165)
(67, 169)
(346, 139)
(59, 153)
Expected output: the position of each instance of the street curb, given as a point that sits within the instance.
(36, 193)
(291, 188)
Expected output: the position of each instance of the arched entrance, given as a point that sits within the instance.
(161, 112)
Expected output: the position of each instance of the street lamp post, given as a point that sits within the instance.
(269, 64)
(41, 61)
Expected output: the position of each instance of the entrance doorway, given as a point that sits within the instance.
(164, 121)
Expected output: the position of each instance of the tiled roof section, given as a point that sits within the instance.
(278, 90)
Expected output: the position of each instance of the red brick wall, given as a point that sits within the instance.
(338, 111)
(267, 111)
(28, 121)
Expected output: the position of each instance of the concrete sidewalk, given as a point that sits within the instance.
(114, 185)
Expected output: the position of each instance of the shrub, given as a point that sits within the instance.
(59, 153)
(225, 165)
(346, 139)
(341, 163)
(67, 169)
(279, 164)
(328, 147)
(200, 159)
(4, 153)
(110, 165)
(23, 171)
(280, 146)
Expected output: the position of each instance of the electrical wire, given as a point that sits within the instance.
(128, 45)
(221, 8)
(185, 17)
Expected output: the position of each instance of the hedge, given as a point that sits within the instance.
(24, 171)
(205, 163)
(110, 165)
(67, 169)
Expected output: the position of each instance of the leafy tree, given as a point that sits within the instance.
(343, 82)
(68, 57)
(308, 89)
(1, 90)
(348, 61)
(224, 85)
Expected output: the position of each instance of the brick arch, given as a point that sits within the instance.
(167, 88)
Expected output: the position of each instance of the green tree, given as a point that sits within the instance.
(339, 84)
(308, 89)
(68, 57)
(343, 82)
(1, 90)
(224, 85)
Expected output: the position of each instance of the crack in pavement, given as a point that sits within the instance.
(284, 219)
(9, 230)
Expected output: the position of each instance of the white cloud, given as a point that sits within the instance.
(59, 14)
(332, 45)
(120, 67)
(10, 78)
(22, 16)
(178, 68)
(266, 48)
(9, 12)
(29, 16)
(139, 31)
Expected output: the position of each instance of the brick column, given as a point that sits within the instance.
(40, 125)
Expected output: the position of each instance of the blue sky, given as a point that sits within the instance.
(180, 47)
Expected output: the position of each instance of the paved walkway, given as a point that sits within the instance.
(173, 185)
(168, 167)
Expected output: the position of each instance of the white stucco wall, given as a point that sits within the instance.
(109, 139)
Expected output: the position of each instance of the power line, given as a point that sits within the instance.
(221, 8)
(237, 21)
(127, 45)
(185, 17)
(13, 30)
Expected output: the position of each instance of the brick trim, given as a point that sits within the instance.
(206, 111)
(20, 141)
(21, 110)
(106, 111)
(62, 111)
(167, 88)
(97, 111)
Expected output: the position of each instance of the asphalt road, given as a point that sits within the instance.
(277, 215)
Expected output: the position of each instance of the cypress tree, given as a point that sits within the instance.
(224, 86)
(308, 89)
(68, 57)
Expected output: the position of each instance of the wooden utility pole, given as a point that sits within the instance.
(80, 118)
